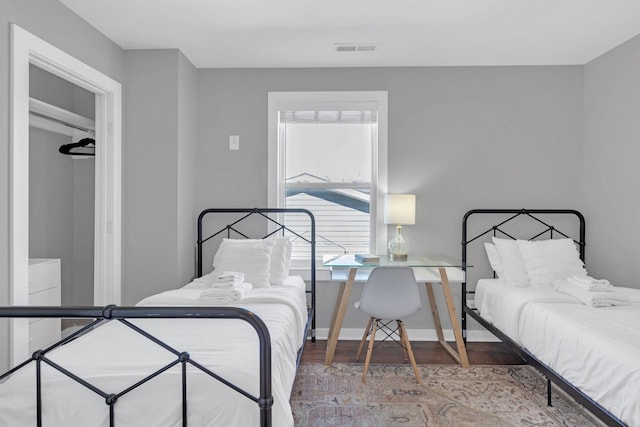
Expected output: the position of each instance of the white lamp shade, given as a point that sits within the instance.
(400, 209)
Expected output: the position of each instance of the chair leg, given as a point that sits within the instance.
(404, 347)
(364, 338)
(405, 338)
(372, 338)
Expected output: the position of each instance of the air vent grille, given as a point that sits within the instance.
(355, 48)
(346, 48)
(366, 48)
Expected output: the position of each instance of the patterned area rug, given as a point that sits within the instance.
(492, 396)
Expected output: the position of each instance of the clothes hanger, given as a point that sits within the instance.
(84, 147)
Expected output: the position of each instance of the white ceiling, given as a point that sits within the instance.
(302, 33)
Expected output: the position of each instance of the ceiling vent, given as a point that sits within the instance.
(354, 48)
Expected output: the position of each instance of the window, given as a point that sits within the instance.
(327, 153)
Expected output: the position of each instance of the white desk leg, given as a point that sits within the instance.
(338, 316)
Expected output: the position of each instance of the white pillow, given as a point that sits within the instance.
(249, 256)
(548, 260)
(494, 258)
(511, 261)
(280, 260)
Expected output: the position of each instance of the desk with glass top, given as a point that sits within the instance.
(344, 268)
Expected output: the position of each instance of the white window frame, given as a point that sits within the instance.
(332, 101)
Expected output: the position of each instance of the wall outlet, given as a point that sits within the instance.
(234, 142)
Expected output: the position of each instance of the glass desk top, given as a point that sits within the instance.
(349, 261)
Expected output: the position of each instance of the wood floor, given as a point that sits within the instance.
(425, 352)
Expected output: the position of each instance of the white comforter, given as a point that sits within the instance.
(596, 349)
(502, 304)
(113, 357)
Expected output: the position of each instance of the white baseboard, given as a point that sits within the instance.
(355, 334)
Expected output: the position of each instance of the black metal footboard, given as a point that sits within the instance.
(110, 313)
(542, 218)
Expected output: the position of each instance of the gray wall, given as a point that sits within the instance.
(610, 172)
(51, 203)
(159, 109)
(51, 21)
(459, 138)
(187, 155)
(83, 234)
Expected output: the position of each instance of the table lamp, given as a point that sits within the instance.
(399, 209)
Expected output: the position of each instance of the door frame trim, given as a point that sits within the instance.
(28, 49)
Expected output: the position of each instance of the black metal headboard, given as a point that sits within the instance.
(278, 227)
(540, 217)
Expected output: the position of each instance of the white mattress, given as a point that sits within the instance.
(228, 347)
(596, 349)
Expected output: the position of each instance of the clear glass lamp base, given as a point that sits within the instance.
(398, 246)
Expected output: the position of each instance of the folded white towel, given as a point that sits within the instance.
(228, 279)
(590, 284)
(594, 298)
(226, 295)
(230, 276)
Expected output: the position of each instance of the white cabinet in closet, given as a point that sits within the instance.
(44, 290)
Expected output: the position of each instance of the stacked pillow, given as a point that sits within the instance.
(264, 262)
(494, 258)
(534, 263)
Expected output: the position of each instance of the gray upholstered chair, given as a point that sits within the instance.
(389, 295)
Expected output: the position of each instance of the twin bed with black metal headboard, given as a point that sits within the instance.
(305, 235)
(590, 350)
(175, 359)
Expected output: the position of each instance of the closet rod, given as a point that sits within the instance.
(40, 112)
(39, 120)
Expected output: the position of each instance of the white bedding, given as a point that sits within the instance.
(228, 347)
(595, 349)
(502, 304)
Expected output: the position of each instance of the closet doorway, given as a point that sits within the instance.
(30, 51)
(61, 200)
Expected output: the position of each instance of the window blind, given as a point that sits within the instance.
(328, 117)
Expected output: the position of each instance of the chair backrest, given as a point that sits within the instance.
(390, 293)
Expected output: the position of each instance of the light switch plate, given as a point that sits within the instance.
(234, 142)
